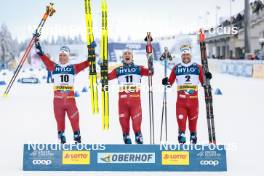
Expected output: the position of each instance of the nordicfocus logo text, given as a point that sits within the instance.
(126, 158)
(42, 162)
(209, 162)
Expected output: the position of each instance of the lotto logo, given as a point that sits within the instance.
(175, 158)
(76, 157)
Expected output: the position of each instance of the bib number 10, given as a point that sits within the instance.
(64, 78)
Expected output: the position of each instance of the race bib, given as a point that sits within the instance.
(64, 78)
(187, 78)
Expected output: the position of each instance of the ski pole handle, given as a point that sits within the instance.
(50, 10)
(201, 36)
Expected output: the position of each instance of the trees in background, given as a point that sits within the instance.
(9, 47)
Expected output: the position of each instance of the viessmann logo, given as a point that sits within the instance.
(125, 158)
(76, 157)
(175, 158)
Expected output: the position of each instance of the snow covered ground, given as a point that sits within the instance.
(27, 116)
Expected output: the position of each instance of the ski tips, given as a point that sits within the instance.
(201, 35)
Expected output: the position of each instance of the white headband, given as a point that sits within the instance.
(65, 52)
(185, 50)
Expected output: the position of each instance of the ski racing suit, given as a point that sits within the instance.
(64, 101)
(188, 77)
(129, 104)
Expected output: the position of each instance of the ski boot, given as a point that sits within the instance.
(61, 136)
(127, 139)
(193, 138)
(139, 138)
(77, 137)
(181, 137)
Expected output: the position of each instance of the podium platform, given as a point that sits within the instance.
(101, 157)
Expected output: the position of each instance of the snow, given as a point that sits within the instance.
(27, 116)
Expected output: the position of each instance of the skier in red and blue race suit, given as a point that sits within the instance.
(188, 75)
(129, 79)
(64, 100)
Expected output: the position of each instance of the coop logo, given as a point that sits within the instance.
(108, 158)
(175, 158)
(42, 162)
(209, 162)
(76, 157)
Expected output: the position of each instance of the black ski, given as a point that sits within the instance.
(207, 90)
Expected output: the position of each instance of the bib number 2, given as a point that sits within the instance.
(188, 77)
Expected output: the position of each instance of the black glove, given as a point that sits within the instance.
(165, 81)
(208, 75)
(36, 34)
(38, 47)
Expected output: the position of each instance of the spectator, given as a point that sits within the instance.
(257, 6)
(49, 75)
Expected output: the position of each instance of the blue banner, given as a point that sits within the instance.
(134, 46)
(100, 157)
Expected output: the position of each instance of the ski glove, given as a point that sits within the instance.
(36, 34)
(38, 47)
(208, 75)
(165, 81)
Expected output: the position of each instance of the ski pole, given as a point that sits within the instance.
(165, 99)
(149, 50)
(50, 10)
(164, 106)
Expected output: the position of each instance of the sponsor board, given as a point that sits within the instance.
(238, 68)
(258, 71)
(175, 158)
(248, 70)
(125, 158)
(76, 157)
(108, 158)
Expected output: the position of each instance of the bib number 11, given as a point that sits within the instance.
(129, 79)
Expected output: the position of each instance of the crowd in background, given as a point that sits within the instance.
(257, 6)
(236, 21)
